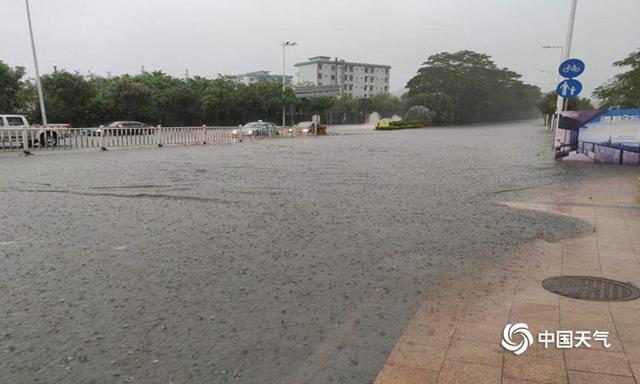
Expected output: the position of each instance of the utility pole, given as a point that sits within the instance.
(550, 73)
(555, 114)
(285, 44)
(35, 63)
(561, 104)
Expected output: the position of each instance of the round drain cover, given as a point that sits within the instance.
(591, 288)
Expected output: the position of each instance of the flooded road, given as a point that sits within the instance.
(281, 261)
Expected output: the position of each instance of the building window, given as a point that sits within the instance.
(386, 88)
(386, 79)
(333, 77)
(350, 77)
(351, 87)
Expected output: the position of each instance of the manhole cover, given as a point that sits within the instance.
(591, 288)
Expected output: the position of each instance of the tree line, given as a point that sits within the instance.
(153, 97)
(450, 88)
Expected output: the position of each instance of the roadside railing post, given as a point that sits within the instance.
(103, 139)
(159, 135)
(25, 141)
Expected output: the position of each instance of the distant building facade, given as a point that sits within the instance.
(254, 77)
(347, 78)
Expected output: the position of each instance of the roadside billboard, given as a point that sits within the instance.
(605, 137)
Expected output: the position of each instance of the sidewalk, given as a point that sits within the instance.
(456, 336)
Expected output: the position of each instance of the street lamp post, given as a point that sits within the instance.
(559, 101)
(35, 63)
(285, 44)
(550, 73)
(562, 105)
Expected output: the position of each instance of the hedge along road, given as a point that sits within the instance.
(265, 262)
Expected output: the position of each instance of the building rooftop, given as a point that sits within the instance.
(328, 60)
(260, 74)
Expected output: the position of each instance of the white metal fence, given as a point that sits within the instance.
(36, 139)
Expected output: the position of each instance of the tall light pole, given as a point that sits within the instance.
(550, 73)
(569, 37)
(559, 101)
(561, 48)
(35, 63)
(285, 44)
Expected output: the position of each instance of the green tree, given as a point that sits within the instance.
(10, 86)
(321, 105)
(467, 87)
(439, 103)
(166, 91)
(548, 104)
(67, 98)
(623, 90)
(221, 102)
(386, 105)
(127, 99)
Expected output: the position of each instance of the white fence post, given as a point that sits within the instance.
(103, 139)
(25, 141)
(159, 135)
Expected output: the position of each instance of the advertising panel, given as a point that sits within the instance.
(600, 136)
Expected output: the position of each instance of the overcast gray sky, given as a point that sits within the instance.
(235, 36)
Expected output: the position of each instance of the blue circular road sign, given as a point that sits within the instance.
(571, 68)
(569, 88)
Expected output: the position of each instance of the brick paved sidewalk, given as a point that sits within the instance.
(455, 337)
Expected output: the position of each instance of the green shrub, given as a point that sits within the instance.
(403, 124)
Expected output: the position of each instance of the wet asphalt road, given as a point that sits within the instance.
(280, 261)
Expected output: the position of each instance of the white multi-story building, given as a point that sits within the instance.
(352, 79)
(254, 77)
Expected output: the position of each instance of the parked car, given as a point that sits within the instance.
(257, 128)
(12, 127)
(304, 127)
(119, 128)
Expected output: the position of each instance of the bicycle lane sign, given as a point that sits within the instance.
(571, 68)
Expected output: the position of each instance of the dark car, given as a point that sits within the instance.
(119, 128)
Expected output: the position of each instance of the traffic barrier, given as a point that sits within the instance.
(61, 138)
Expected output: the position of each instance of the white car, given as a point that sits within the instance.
(257, 128)
(12, 128)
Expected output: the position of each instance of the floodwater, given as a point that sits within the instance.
(282, 261)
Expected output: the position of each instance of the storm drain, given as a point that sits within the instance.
(591, 288)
